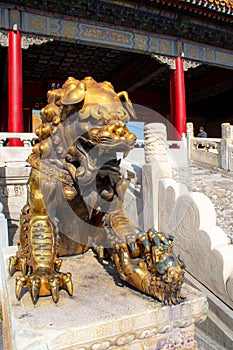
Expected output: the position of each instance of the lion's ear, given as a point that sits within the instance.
(124, 98)
(74, 93)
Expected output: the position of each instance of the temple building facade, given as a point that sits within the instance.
(175, 58)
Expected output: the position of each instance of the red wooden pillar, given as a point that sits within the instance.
(15, 112)
(180, 98)
(172, 105)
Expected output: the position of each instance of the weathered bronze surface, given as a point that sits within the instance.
(75, 198)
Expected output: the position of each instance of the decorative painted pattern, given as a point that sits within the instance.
(105, 35)
(88, 32)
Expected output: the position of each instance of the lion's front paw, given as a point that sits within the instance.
(43, 283)
(169, 292)
(146, 261)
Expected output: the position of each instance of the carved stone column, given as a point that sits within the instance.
(189, 130)
(226, 130)
(226, 145)
(190, 134)
(157, 167)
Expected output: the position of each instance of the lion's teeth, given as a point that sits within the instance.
(119, 155)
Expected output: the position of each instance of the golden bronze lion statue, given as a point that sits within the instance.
(75, 198)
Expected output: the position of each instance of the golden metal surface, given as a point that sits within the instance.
(75, 198)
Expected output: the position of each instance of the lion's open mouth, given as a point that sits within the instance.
(115, 135)
(101, 144)
(94, 158)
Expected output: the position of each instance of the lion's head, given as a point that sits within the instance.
(98, 112)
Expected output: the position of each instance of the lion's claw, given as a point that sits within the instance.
(20, 284)
(44, 283)
(142, 237)
(54, 287)
(18, 264)
(34, 287)
(67, 280)
(12, 264)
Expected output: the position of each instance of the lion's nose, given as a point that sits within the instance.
(120, 131)
(119, 128)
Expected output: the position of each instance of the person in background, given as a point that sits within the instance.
(202, 132)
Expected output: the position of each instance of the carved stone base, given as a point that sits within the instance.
(104, 313)
(13, 186)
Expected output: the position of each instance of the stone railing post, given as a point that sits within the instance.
(4, 241)
(227, 137)
(190, 134)
(3, 229)
(226, 130)
(156, 168)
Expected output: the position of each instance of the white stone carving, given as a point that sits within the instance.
(227, 130)
(14, 173)
(26, 40)
(216, 152)
(190, 64)
(3, 38)
(33, 40)
(204, 247)
(4, 242)
(157, 167)
(189, 130)
(155, 148)
(171, 62)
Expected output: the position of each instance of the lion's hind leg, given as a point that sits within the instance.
(37, 256)
(19, 261)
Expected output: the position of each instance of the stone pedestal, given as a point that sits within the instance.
(104, 313)
(3, 237)
(13, 194)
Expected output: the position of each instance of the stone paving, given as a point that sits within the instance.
(206, 343)
(215, 184)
